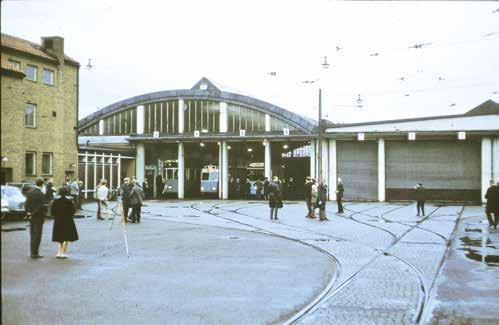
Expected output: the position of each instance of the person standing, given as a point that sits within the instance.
(266, 188)
(102, 200)
(275, 198)
(314, 192)
(145, 187)
(136, 197)
(492, 206)
(308, 196)
(321, 200)
(35, 208)
(339, 195)
(49, 196)
(125, 190)
(420, 198)
(80, 194)
(64, 229)
(74, 191)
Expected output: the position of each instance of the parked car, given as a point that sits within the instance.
(5, 207)
(14, 201)
(25, 187)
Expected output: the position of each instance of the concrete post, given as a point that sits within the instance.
(140, 161)
(95, 174)
(181, 117)
(110, 171)
(268, 160)
(220, 179)
(181, 170)
(325, 162)
(381, 170)
(140, 119)
(86, 174)
(495, 160)
(225, 171)
(223, 117)
(119, 170)
(313, 158)
(332, 170)
(486, 165)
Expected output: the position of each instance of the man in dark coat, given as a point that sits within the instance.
(420, 198)
(136, 197)
(308, 196)
(339, 195)
(35, 208)
(492, 206)
(275, 197)
(125, 190)
(266, 188)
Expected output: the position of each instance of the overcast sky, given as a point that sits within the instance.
(141, 47)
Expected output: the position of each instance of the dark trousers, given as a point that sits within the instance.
(338, 201)
(492, 220)
(273, 213)
(420, 206)
(76, 201)
(35, 233)
(100, 205)
(135, 213)
(310, 212)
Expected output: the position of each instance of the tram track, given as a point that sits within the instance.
(424, 291)
(332, 288)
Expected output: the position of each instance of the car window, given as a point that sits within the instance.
(11, 191)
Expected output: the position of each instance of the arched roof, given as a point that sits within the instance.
(205, 89)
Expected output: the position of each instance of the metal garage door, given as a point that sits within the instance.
(450, 170)
(358, 167)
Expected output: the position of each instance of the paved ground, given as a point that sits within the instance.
(224, 262)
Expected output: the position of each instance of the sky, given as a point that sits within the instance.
(141, 47)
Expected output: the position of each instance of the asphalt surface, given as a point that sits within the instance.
(225, 262)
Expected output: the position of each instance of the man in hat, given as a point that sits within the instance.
(420, 198)
(308, 196)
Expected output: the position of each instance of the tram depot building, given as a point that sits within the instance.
(179, 134)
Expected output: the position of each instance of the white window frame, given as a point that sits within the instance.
(35, 108)
(43, 77)
(33, 153)
(50, 154)
(36, 72)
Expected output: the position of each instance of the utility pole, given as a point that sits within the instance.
(319, 139)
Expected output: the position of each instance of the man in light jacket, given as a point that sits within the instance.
(102, 199)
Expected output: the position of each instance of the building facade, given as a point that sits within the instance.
(39, 110)
(177, 134)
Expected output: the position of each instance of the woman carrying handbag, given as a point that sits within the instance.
(64, 229)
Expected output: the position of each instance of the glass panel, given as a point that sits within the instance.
(146, 119)
(30, 163)
(30, 115)
(134, 120)
(47, 163)
(48, 77)
(31, 72)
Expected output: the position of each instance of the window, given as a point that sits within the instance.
(14, 64)
(29, 164)
(30, 115)
(47, 163)
(48, 77)
(31, 72)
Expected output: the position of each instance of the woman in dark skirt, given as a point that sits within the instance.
(64, 230)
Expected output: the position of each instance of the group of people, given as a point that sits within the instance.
(132, 196)
(246, 188)
(62, 207)
(316, 197)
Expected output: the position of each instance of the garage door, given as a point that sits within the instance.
(450, 170)
(358, 167)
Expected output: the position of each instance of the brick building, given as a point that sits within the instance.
(39, 110)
